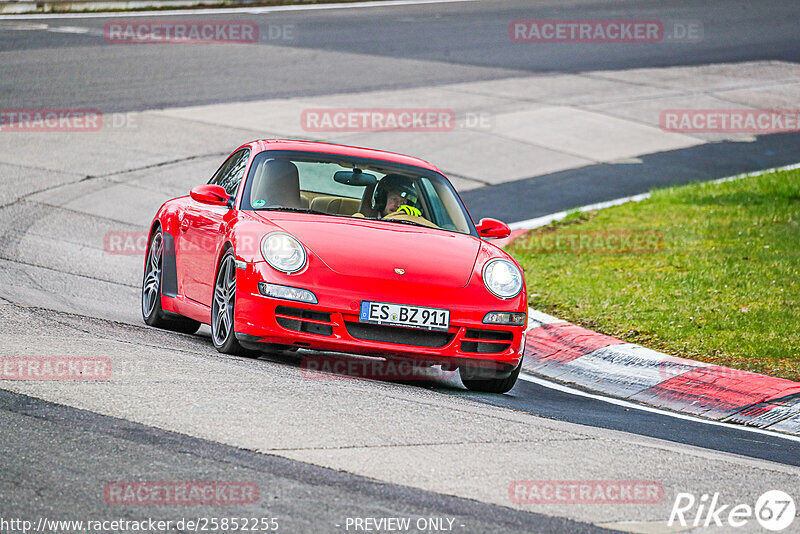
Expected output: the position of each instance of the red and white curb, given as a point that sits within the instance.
(567, 353)
(570, 354)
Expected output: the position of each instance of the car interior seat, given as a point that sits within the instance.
(336, 205)
(366, 203)
(277, 182)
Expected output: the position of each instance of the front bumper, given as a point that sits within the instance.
(333, 324)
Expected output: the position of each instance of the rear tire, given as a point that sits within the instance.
(489, 385)
(152, 313)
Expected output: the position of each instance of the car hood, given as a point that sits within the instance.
(375, 249)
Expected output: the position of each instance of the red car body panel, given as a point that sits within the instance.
(375, 245)
(349, 260)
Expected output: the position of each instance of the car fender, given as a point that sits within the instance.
(245, 237)
(168, 216)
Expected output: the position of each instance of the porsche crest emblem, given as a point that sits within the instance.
(400, 271)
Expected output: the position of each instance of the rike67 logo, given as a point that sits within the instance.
(774, 510)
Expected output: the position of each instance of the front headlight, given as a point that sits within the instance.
(283, 252)
(502, 278)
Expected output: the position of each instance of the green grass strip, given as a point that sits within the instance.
(706, 271)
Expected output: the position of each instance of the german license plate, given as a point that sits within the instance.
(402, 315)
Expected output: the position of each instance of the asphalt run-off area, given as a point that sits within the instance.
(529, 108)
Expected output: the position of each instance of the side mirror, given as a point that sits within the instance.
(214, 195)
(493, 228)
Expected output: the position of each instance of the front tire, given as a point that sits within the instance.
(223, 332)
(152, 313)
(470, 379)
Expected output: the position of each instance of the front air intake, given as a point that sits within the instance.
(486, 341)
(400, 336)
(308, 321)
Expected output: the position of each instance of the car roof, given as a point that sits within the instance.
(344, 150)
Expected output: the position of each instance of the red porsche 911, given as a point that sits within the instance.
(304, 245)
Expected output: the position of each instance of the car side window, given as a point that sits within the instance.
(434, 201)
(230, 174)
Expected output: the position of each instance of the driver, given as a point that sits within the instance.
(395, 193)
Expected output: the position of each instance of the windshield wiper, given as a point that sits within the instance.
(402, 221)
(286, 208)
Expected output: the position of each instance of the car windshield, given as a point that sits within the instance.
(343, 186)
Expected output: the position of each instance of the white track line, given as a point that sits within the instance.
(627, 404)
(791, 167)
(547, 219)
(537, 222)
(226, 10)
